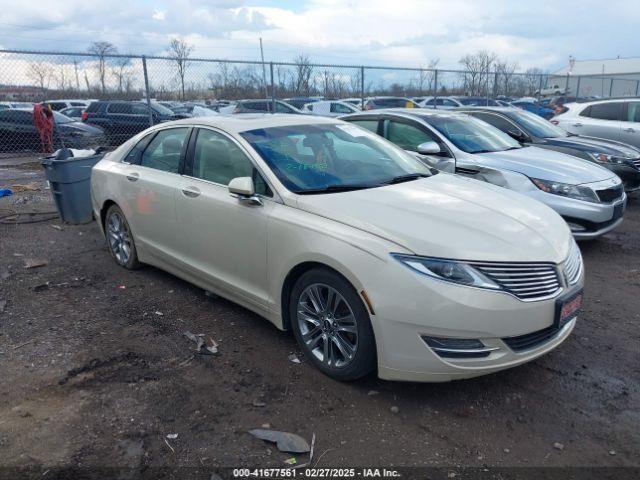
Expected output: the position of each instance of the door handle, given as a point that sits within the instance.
(577, 124)
(191, 192)
(132, 177)
(630, 130)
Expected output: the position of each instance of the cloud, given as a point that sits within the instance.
(390, 32)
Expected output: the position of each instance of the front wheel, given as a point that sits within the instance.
(332, 326)
(120, 239)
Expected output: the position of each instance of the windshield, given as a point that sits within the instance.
(60, 118)
(309, 158)
(472, 135)
(477, 101)
(537, 126)
(161, 109)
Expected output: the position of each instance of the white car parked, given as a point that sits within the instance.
(330, 108)
(613, 119)
(373, 260)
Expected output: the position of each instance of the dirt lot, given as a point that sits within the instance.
(95, 371)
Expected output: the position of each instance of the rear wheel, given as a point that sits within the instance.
(332, 326)
(120, 239)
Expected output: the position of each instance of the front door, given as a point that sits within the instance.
(225, 237)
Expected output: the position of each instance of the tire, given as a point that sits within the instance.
(120, 239)
(337, 338)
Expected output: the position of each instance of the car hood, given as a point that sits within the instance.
(594, 145)
(450, 217)
(546, 165)
(80, 126)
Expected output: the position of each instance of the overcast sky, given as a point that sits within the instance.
(375, 32)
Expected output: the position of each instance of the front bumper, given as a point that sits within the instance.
(587, 220)
(629, 175)
(425, 307)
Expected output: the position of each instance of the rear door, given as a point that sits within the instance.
(225, 238)
(602, 120)
(631, 125)
(150, 176)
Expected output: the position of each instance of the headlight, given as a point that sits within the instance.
(447, 270)
(604, 158)
(566, 190)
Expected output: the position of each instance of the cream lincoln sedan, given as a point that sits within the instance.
(373, 260)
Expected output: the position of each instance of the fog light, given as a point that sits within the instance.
(458, 347)
(576, 227)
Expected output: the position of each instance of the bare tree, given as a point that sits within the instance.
(102, 50)
(302, 74)
(40, 73)
(504, 72)
(122, 74)
(179, 51)
(532, 79)
(426, 77)
(62, 81)
(476, 75)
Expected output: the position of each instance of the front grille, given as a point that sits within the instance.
(531, 340)
(573, 264)
(609, 195)
(636, 163)
(527, 281)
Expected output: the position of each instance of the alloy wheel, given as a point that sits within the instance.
(119, 238)
(327, 325)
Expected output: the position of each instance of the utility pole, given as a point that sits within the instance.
(264, 71)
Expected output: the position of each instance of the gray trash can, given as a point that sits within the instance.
(70, 182)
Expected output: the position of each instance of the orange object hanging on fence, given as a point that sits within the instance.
(43, 120)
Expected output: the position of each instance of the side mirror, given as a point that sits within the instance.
(517, 135)
(429, 148)
(243, 188)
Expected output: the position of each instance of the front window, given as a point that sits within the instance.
(332, 157)
(537, 126)
(471, 135)
(60, 118)
(407, 136)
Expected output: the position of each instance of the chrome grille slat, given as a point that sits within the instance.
(527, 281)
(529, 284)
(573, 264)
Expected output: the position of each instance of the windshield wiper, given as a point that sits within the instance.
(336, 188)
(482, 151)
(404, 178)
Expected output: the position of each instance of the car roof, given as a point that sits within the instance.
(417, 113)
(253, 121)
(489, 108)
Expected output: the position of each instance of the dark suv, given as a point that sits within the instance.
(121, 120)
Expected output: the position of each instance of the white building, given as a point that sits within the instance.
(617, 77)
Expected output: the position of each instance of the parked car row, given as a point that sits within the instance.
(590, 198)
(375, 260)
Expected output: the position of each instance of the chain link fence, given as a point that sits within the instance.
(102, 100)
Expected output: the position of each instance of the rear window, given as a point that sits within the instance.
(121, 108)
(604, 111)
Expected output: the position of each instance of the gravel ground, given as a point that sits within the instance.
(95, 371)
